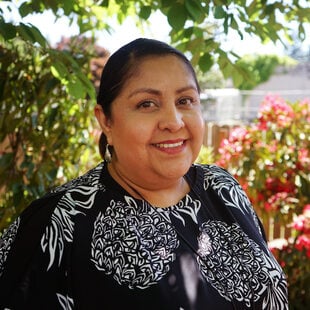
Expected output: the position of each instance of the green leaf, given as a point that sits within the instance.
(219, 12)
(7, 30)
(105, 3)
(25, 9)
(205, 62)
(52, 117)
(51, 174)
(145, 12)
(237, 78)
(5, 161)
(59, 70)
(68, 7)
(31, 33)
(211, 45)
(25, 33)
(194, 9)
(165, 3)
(234, 23)
(37, 35)
(253, 9)
(269, 9)
(88, 85)
(301, 32)
(75, 88)
(225, 25)
(177, 16)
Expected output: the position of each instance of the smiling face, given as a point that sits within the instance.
(156, 126)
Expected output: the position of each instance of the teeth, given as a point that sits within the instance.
(166, 145)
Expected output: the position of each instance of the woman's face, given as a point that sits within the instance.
(156, 126)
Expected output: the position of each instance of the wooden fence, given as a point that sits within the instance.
(215, 133)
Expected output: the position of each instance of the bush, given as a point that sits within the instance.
(271, 160)
(46, 121)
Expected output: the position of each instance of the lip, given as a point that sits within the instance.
(171, 146)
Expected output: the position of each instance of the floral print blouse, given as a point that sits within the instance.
(89, 245)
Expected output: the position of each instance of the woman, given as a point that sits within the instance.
(147, 228)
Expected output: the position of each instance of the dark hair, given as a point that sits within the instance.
(122, 64)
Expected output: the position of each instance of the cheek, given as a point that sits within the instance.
(202, 128)
(198, 127)
(131, 134)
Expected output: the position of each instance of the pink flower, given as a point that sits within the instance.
(306, 209)
(303, 158)
(303, 242)
(302, 221)
(280, 201)
(275, 110)
(299, 222)
(238, 134)
(305, 108)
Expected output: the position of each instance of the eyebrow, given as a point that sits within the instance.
(157, 92)
(144, 90)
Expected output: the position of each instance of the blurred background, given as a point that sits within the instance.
(252, 59)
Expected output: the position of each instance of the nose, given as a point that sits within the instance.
(171, 119)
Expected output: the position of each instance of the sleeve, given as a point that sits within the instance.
(249, 219)
(20, 240)
(237, 202)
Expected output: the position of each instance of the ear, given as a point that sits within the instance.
(104, 122)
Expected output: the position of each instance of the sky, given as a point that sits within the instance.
(128, 31)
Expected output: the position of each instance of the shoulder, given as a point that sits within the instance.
(40, 210)
(225, 185)
(89, 179)
(214, 175)
(227, 188)
(68, 196)
(32, 222)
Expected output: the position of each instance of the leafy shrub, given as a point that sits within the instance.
(271, 160)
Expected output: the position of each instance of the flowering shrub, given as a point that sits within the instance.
(294, 257)
(271, 160)
(302, 224)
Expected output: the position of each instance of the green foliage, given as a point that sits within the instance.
(206, 155)
(197, 27)
(261, 68)
(45, 121)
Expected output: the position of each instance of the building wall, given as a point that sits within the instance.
(230, 106)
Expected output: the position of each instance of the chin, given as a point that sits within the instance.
(178, 171)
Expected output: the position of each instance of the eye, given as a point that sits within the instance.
(146, 104)
(186, 101)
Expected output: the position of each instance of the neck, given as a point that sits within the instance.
(162, 197)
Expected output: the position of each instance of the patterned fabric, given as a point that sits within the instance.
(99, 248)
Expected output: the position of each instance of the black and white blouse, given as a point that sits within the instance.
(90, 245)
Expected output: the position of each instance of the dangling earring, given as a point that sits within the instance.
(107, 154)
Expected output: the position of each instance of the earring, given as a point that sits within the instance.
(107, 154)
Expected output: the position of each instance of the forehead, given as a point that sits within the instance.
(160, 67)
(170, 60)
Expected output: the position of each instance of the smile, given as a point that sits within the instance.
(169, 145)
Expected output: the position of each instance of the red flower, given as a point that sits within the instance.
(280, 201)
(306, 210)
(299, 222)
(303, 242)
